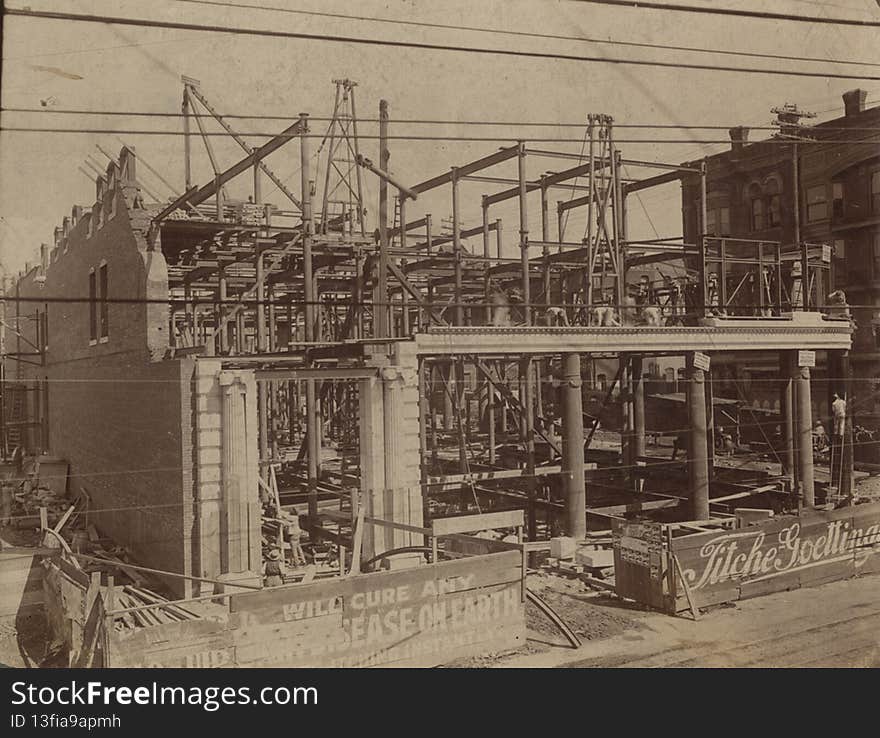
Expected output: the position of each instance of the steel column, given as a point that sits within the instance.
(805, 435)
(380, 293)
(788, 411)
(573, 447)
(524, 234)
(698, 460)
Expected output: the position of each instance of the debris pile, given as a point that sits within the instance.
(583, 610)
(24, 493)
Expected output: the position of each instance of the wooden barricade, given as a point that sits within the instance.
(421, 616)
(782, 553)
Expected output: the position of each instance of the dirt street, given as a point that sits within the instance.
(835, 625)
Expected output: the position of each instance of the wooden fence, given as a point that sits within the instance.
(422, 616)
(782, 553)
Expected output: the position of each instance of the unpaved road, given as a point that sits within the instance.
(835, 625)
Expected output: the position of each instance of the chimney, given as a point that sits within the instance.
(854, 101)
(44, 257)
(739, 136)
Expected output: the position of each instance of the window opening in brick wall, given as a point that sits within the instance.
(817, 203)
(93, 306)
(105, 325)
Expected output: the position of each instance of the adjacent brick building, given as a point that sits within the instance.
(101, 390)
(750, 196)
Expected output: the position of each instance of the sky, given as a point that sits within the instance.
(101, 67)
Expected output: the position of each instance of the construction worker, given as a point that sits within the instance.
(680, 443)
(724, 441)
(644, 293)
(292, 535)
(272, 568)
(713, 296)
(797, 292)
(838, 411)
(820, 437)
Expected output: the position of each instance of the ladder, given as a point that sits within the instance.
(16, 416)
(396, 223)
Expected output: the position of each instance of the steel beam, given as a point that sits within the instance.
(463, 171)
(551, 180)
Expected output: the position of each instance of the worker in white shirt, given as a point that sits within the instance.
(838, 411)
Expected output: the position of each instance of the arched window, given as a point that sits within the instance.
(774, 206)
(756, 208)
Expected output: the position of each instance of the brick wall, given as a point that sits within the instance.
(125, 428)
(121, 416)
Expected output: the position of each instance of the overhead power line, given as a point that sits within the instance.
(413, 121)
(756, 14)
(497, 139)
(521, 34)
(369, 41)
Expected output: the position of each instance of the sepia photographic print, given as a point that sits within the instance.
(397, 333)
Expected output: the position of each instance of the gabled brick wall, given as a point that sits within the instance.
(120, 415)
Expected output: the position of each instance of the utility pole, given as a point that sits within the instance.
(788, 121)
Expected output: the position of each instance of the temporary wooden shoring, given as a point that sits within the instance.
(196, 93)
(200, 195)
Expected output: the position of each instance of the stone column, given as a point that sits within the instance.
(403, 498)
(390, 472)
(234, 544)
(372, 461)
(208, 476)
(805, 435)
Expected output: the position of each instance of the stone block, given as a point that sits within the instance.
(594, 558)
(562, 547)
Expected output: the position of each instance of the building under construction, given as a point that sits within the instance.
(234, 383)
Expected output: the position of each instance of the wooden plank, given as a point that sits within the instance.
(21, 585)
(77, 575)
(483, 521)
(20, 574)
(371, 634)
(827, 572)
(471, 477)
(695, 611)
(782, 583)
(633, 507)
(14, 599)
(419, 616)
(486, 569)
